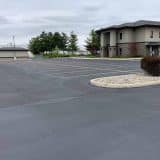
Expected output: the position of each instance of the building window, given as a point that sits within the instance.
(120, 36)
(152, 34)
(120, 51)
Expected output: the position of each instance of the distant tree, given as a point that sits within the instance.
(44, 41)
(65, 41)
(73, 40)
(40, 44)
(56, 50)
(49, 41)
(57, 40)
(93, 43)
(51, 44)
(34, 45)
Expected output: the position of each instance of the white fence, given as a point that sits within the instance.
(68, 52)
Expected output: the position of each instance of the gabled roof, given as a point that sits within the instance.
(13, 49)
(141, 23)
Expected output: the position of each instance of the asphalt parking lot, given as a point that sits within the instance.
(49, 111)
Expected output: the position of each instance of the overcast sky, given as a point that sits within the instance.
(27, 18)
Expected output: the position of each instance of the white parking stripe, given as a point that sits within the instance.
(81, 66)
(59, 70)
(94, 74)
(91, 67)
(85, 67)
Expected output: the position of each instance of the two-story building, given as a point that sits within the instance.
(130, 39)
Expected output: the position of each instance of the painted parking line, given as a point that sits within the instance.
(92, 74)
(62, 73)
(51, 75)
(92, 66)
(77, 65)
(77, 76)
(66, 69)
(67, 66)
(86, 67)
(92, 71)
(57, 67)
(70, 69)
(75, 71)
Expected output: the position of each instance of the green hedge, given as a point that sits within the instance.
(56, 55)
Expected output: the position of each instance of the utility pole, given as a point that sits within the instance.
(14, 46)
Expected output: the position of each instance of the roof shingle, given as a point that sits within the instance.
(136, 24)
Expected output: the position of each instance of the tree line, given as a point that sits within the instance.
(49, 41)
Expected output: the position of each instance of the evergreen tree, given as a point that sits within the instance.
(65, 42)
(57, 40)
(73, 40)
(93, 43)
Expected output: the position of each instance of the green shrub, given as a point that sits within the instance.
(56, 56)
(151, 65)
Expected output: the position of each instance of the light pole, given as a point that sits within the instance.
(14, 46)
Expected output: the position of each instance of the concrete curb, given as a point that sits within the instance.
(18, 59)
(99, 82)
(109, 59)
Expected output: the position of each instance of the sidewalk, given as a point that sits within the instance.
(11, 59)
(110, 59)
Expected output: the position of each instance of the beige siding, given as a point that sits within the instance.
(107, 38)
(141, 49)
(125, 49)
(130, 37)
(144, 34)
(140, 35)
(11, 54)
(127, 36)
(156, 32)
(112, 51)
(102, 40)
(113, 38)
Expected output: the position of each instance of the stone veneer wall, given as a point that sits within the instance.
(142, 49)
(112, 51)
(129, 49)
(125, 49)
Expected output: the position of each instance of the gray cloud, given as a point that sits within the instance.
(93, 7)
(4, 20)
(28, 18)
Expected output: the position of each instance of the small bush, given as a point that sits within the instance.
(151, 65)
(56, 55)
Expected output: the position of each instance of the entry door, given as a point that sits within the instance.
(155, 50)
(106, 53)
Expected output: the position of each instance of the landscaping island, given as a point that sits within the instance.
(126, 81)
(151, 66)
